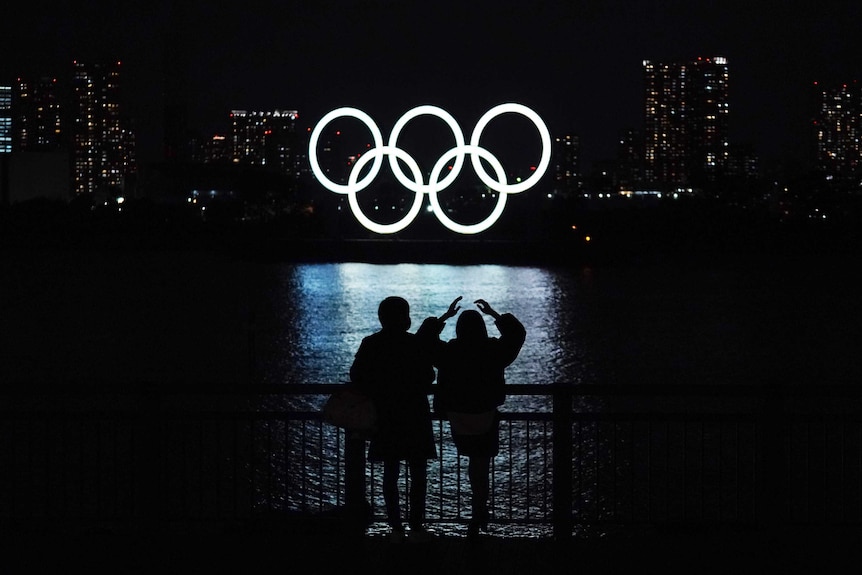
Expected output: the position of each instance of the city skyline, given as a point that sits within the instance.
(684, 144)
(579, 66)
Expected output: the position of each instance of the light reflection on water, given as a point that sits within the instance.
(322, 312)
(728, 322)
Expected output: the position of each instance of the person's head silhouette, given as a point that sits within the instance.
(471, 326)
(394, 314)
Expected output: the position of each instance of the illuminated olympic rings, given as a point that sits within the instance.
(417, 184)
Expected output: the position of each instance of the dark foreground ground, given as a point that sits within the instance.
(321, 546)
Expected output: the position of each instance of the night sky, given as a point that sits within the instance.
(576, 63)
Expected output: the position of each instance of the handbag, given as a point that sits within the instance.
(351, 410)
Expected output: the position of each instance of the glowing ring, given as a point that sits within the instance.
(459, 144)
(433, 187)
(543, 162)
(312, 150)
(377, 154)
(501, 200)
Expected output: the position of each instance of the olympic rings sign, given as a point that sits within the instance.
(435, 183)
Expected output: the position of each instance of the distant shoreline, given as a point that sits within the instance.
(615, 237)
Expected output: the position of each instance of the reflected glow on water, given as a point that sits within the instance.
(729, 322)
(324, 311)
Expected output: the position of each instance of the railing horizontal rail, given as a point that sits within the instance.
(78, 388)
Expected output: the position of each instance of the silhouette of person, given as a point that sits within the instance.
(470, 388)
(393, 368)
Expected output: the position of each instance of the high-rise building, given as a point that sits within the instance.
(5, 141)
(5, 119)
(213, 150)
(38, 123)
(103, 145)
(685, 121)
(630, 154)
(266, 139)
(837, 127)
(566, 156)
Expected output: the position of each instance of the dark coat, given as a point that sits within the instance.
(395, 371)
(470, 379)
(470, 375)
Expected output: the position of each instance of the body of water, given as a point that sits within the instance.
(198, 317)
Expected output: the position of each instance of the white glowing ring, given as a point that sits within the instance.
(502, 186)
(501, 200)
(417, 185)
(312, 150)
(377, 154)
(459, 144)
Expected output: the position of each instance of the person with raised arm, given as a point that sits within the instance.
(471, 388)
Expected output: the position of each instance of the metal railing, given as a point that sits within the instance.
(572, 457)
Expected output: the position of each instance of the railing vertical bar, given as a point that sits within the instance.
(684, 469)
(580, 457)
(64, 469)
(667, 481)
(527, 472)
(843, 470)
(737, 477)
(46, 479)
(320, 486)
(632, 496)
(562, 431)
(82, 489)
(649, 489)
(302, 465)
(269, 465)
(99, 479)
(236, 466)
(493, 504)
(808, 468)
(287, 464)
(200, 463)
(720, 471)
(511, 473)
(372, 478)
(59, 491)
(250, 464)
(408, 480)
(458, 511)
(613, 466)
(545, 468)
(440, 466)
(824, 487)
(703, 471)
(596, 478)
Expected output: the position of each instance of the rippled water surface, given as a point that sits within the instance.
(746, 323)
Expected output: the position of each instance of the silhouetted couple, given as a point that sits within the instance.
(396, 369)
